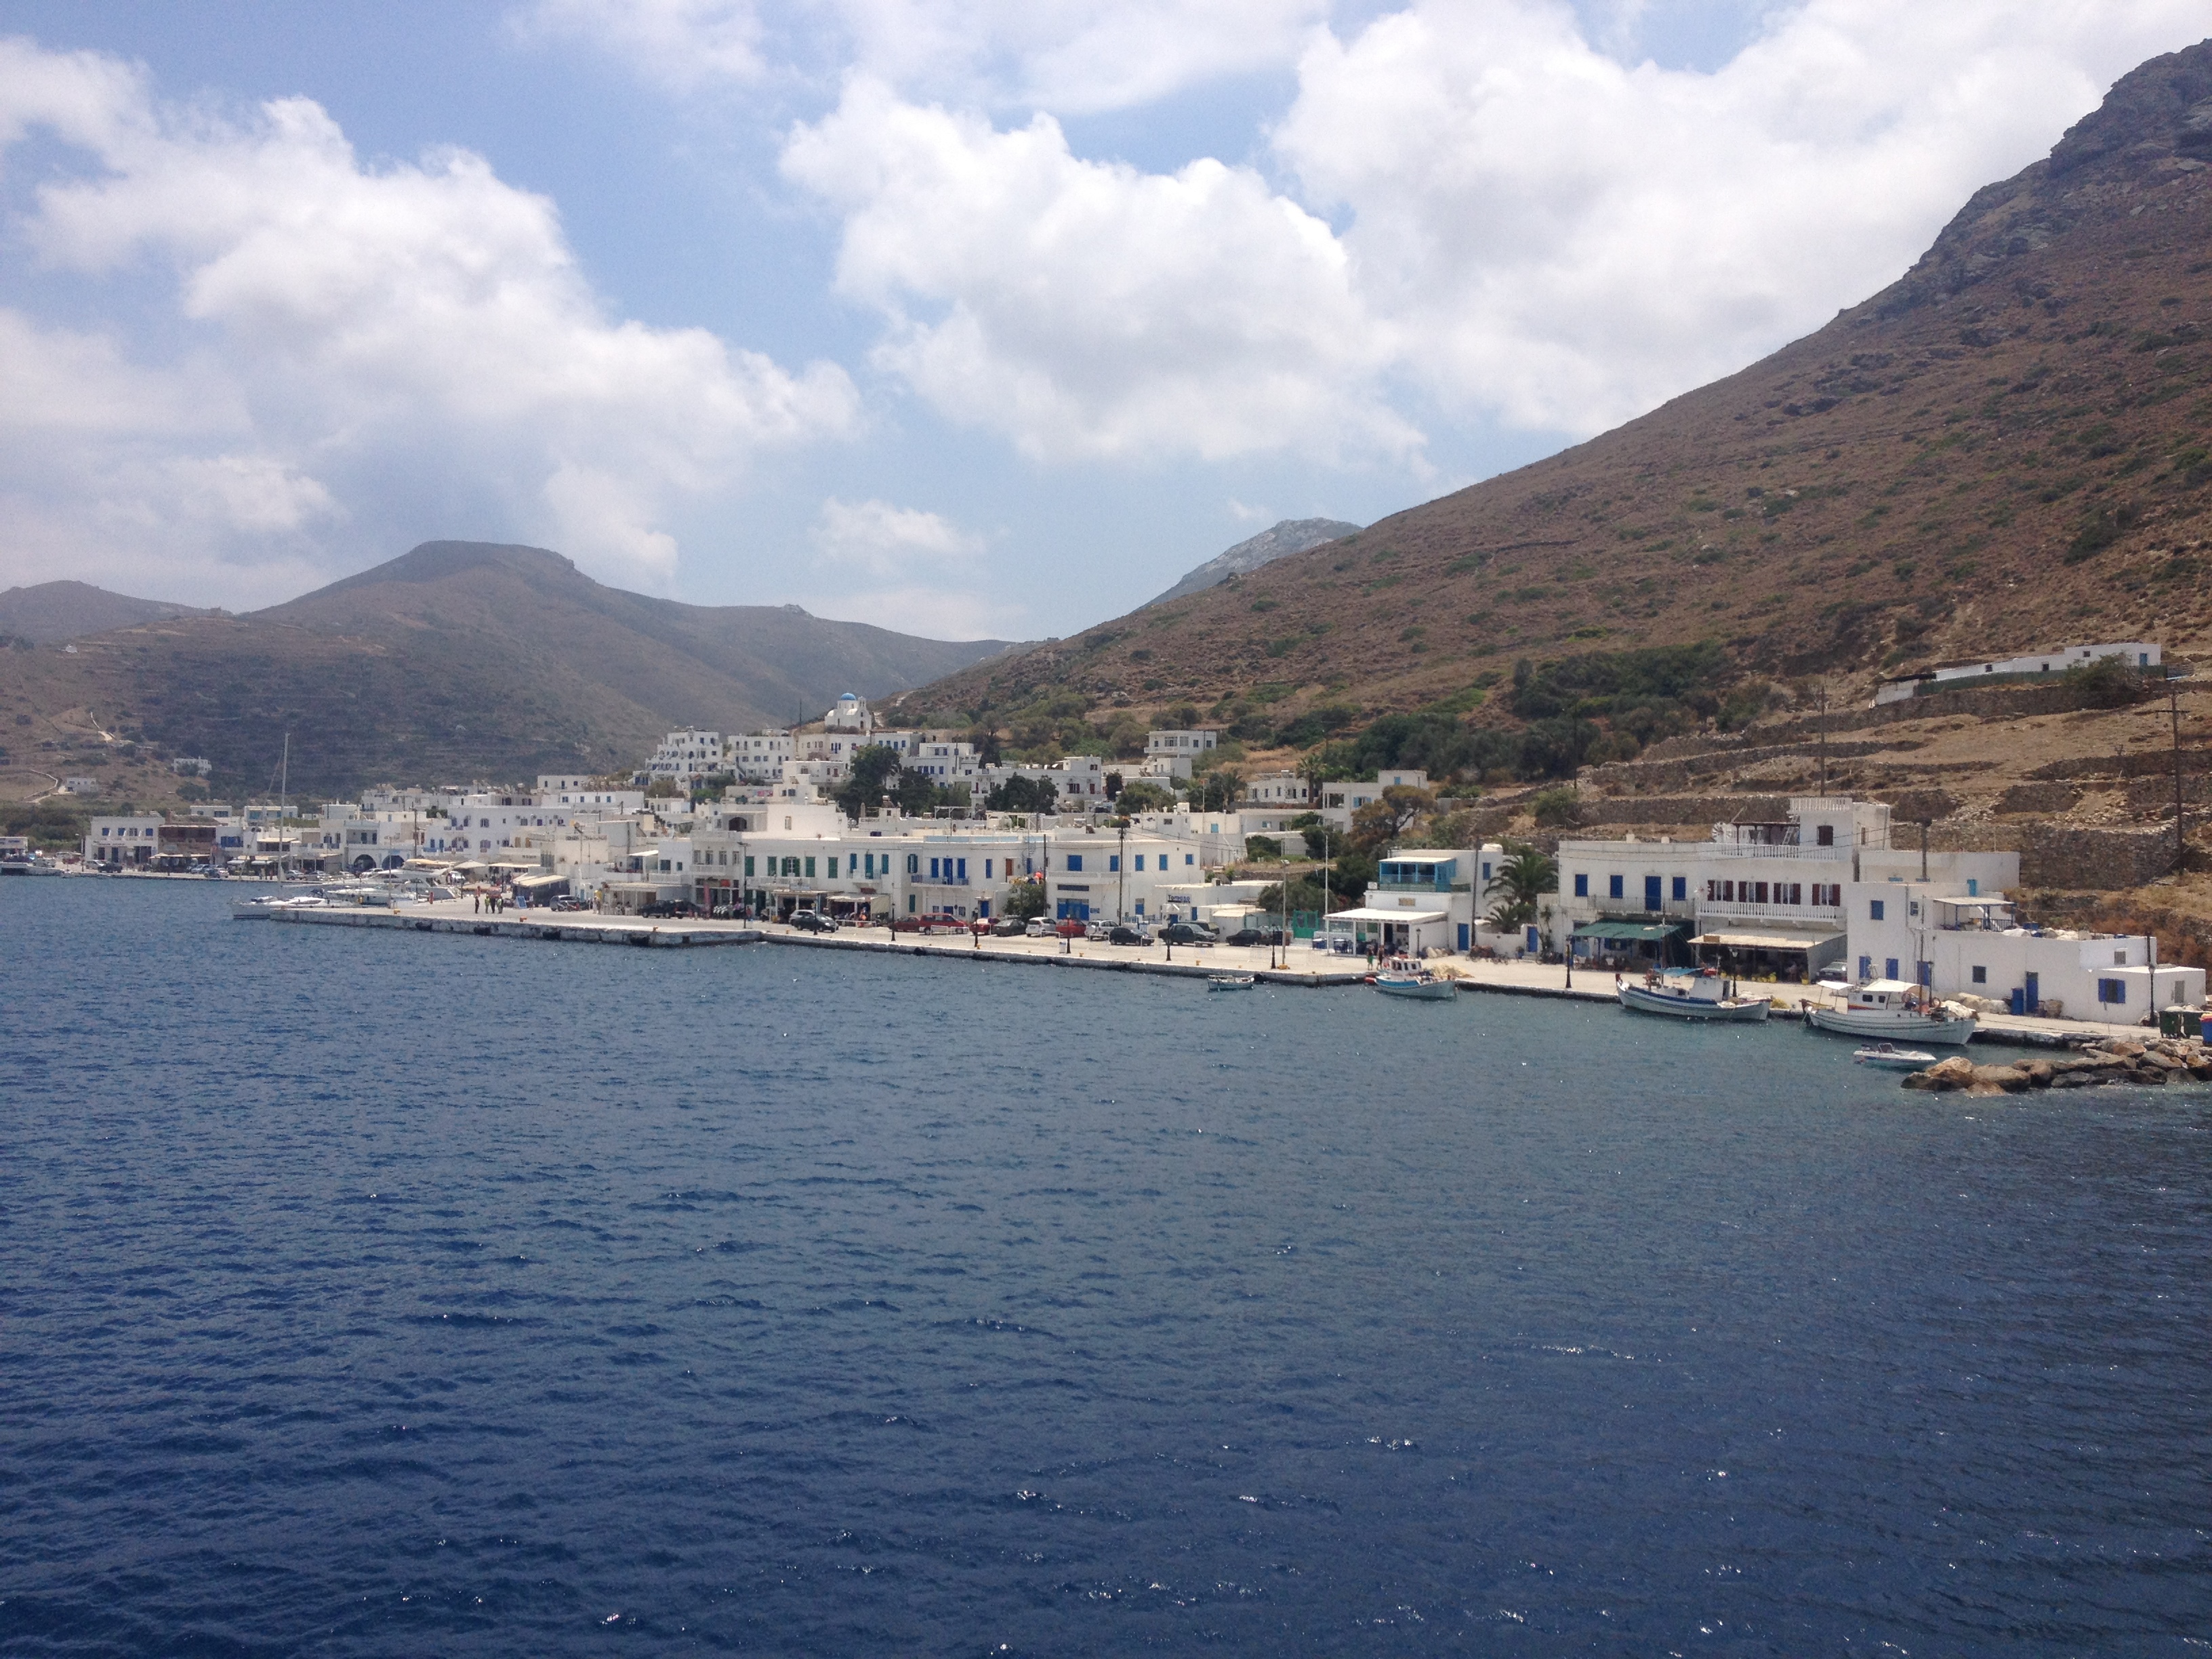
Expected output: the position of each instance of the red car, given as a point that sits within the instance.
(1072, 929)
(930, 924)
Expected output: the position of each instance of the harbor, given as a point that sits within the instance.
(1473, 979)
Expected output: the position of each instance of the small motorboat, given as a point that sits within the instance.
(1889, 1056)
(1405, 976)
(1892, 1008)
(1690, 995)
(1230, 981)
(262, 909)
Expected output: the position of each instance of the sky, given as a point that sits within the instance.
(985, 318)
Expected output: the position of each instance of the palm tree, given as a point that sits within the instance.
(1526, 877)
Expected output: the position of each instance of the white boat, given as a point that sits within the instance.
(1893, 1008)
(38, 864)
(1404, 976)
(260, 909)
(1230, 981)
(1890, 1057)
(1690, 995)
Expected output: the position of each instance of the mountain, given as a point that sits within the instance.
(51, 612)
(2009, 448)
(1291, 535)
(460, 660)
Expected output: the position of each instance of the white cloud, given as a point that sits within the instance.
(1567, 239)
(883, 539)
(1533, 230)
(1068, 56)
(682, 44)
(906, 568)
(363, 345)
(1089, 310)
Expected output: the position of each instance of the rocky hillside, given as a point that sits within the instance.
(1279, 542)
(2009, 448)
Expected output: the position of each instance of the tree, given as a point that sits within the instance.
(1382, 820)
(875, 767)
(1524, 879)
(1263, 847)
(1217, 790)
(1025, 898)
(1021, 795)
(1143, 796)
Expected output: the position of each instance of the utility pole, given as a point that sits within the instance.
(1122, 873)
(1923, 849)
(2180, 840)
(1823, 738)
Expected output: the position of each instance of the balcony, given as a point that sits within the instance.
(1732, 849)
(1804, 914)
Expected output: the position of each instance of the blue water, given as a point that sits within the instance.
(382, 1293)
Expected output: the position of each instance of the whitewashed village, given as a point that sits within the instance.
(805, 829)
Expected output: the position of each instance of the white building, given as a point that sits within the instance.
(1276, 789)
(1763, 896)
(850, 714)
(1179, 748)
(759, 756)
(2136, 653)
(1421, 900)
(685, 756)
(1960, 942)
(123, 842)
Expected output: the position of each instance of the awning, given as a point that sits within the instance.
(1369, 915)
(1630, 930)
(534, 883)
(1768, 941)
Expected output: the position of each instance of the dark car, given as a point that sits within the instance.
(1009, 926)
(813, 921)
(1255, 936)
(1129, 936)
(1190, 932)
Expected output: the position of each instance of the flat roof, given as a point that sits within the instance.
(1364, 914)
(1630, 930)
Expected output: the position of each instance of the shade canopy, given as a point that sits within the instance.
(1630, 930)
(1366, 914)
(1769, 941)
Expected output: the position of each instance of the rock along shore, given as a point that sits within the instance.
(2155, 1062)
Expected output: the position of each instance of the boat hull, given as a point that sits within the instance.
(1746, 1011)
(1881, 1024)
(1425, 990)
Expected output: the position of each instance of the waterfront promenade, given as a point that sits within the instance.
(1301, 965)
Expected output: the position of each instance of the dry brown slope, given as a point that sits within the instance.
(457, 660)
(1906, 485)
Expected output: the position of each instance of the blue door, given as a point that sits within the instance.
(1463, 936)
(1651, 899)
(2033, 994)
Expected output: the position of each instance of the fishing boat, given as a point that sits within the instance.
(1230, 981)
(1687, 994)
(1893, 1008)
(1890, 1057)
(1405, 976)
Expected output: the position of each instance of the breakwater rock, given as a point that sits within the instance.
(2155, 1062)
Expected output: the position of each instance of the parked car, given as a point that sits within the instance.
(1009, 926)
(1190, 932)
(1834, 974)
(1039, 929)
(813, 921)
(1129, 936)
(1255, 936)
(1072, 928)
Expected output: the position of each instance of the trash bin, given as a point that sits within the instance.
(2016, 999)
(2178, 1022)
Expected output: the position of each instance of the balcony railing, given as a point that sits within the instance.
(1735, 911)
(1732, 849)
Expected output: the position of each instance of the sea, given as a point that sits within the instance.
(381, 1293)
